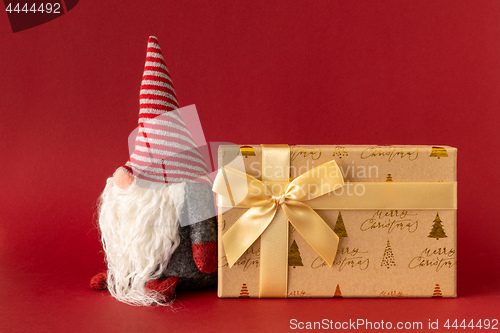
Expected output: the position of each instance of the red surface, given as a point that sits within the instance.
(309, 72)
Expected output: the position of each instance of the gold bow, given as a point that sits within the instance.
(247, 191)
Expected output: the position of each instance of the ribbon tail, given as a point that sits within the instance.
(313, 229)
(246, 230)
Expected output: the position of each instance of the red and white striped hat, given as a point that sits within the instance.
(164, 148)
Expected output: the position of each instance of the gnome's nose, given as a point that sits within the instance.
(123, 179)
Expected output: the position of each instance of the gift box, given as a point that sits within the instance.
(336, 221)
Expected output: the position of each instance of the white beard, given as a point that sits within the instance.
(140, 231)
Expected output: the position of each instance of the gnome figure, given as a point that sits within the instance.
(156, 214)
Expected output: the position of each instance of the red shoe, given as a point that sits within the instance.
(166, 287)
(99, 281)
(205, 256)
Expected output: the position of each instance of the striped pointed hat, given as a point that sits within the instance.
(164, 148)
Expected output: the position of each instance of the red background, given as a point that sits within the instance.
(308, 72)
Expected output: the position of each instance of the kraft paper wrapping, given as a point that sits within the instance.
(381, 253)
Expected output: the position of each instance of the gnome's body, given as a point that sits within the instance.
(156, 213)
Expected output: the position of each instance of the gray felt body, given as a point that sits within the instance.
(198, 225)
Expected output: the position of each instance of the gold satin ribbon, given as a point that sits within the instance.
(380, 195)
(250, 192)
(273, 261)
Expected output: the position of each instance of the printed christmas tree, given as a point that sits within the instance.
(437, 229)
(437, 292)
(438, 152)
(244, 291)
(294, 258)
(339, 228)
(388, 258)
(338, 293)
